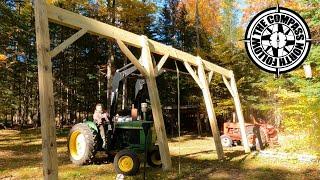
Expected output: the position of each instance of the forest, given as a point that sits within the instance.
(212, 29)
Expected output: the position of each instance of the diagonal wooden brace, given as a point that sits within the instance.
(132, 58)
(192, 73)
(210, 76)
(68, 42)
(226, 82)
(161, 62)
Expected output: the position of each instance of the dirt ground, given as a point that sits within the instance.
(20, 158)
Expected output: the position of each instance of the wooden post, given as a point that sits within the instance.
(146, 61)
(48, 126)
(237, 104)
(210, 110)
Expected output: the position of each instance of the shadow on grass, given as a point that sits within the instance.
(23, 149)
(233, 167)
(25, 154)
(215, 169)
(186, 137)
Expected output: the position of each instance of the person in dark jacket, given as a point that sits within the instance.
(100, 117)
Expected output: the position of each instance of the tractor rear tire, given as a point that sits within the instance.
(226, 141)
(126, 162)
(154, 159)
(82, 144)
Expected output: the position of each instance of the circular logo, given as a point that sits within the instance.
(277, 40)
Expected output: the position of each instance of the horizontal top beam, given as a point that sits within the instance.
(77, 21)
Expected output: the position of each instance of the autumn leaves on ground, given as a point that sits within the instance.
(20, 158)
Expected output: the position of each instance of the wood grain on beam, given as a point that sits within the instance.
(48, 124)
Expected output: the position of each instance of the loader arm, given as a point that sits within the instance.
(121, 74)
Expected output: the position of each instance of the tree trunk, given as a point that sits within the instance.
(111, 50)
(124, 89)
(197, 20)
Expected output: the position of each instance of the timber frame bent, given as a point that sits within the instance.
(205, 70)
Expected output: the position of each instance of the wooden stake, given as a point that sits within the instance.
(48, 126)
(210, 110)
(146, 60)
(239, 114)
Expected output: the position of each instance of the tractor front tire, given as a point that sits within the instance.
(82, 144)
(126, 162)
(226, 141)
(154, 159)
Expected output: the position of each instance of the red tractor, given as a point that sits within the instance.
(267, 134)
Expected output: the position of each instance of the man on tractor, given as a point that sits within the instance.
(99, 118)
(121, 141)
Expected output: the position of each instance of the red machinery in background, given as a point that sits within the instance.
(267, 134)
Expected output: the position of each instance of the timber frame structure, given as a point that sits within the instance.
(202, 75)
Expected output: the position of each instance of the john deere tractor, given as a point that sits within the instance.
(127, 138)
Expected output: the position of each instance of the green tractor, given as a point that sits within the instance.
(127, 139)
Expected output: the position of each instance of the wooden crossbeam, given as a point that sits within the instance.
(67, 42)
(77, 21)
(131, 57)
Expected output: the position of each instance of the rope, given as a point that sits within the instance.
(178, 107)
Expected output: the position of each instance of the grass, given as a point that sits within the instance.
(20, 158)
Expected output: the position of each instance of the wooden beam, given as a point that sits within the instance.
(210, 109)
(131, 57)
(239, 114)
(48, 126)
(210, 76)
(161, 62)
(68, 42)
(192, 73)
(77, 21)
(146, 60)
(226, 82)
